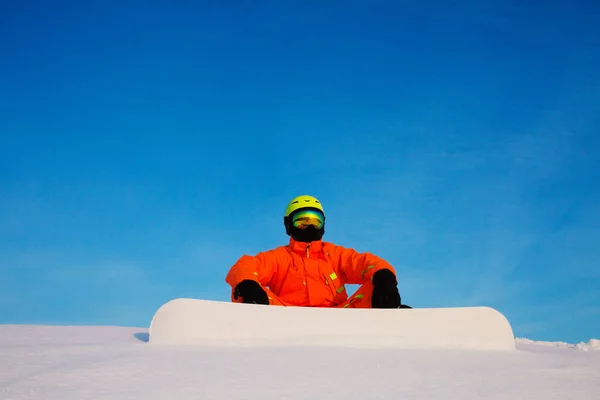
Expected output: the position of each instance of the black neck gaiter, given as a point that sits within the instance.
(310, 234)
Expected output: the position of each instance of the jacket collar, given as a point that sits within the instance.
(302, 247)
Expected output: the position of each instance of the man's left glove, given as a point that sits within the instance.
(251, 292)
(385, 290)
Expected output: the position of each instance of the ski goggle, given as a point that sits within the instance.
(306, 218)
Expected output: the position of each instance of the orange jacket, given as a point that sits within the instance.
(307, 274)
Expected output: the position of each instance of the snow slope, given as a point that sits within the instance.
(52, 362)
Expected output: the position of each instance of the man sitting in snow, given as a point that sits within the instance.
(310, 272)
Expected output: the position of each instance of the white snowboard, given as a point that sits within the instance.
(213, 323)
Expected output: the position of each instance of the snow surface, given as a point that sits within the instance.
(54, 362)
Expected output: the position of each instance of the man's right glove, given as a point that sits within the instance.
(251, 292)
(385, 290)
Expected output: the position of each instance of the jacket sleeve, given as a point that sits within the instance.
(358, 267)
(259, 268)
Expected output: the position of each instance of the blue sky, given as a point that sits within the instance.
(144, 147)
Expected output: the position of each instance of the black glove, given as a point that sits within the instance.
(385, 290)
(251, 292)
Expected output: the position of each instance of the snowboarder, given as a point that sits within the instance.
(310, 272)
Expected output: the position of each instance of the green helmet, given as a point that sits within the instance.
(303, 201)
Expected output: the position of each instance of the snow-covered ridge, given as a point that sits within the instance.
(22, 335)
(592, 344)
